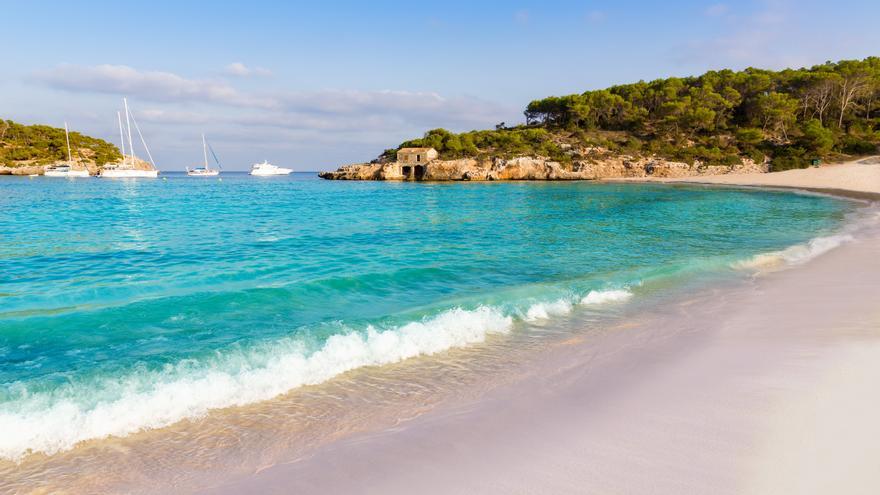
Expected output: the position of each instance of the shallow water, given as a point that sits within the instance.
(128, 305)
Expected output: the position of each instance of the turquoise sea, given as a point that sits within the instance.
(133, 304)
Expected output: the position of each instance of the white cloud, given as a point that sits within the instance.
(322, 109)
(238, 69)
(388, 102)
(351, 124)
(164, 116)
(153, 85)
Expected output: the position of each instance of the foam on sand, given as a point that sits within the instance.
(863, 222)
(797, 254)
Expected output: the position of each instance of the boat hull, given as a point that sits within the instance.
(283, 171)
(128, 174)
(209, 173)
(69, 173)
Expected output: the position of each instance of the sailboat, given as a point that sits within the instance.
(65, 169)
(128, 168)
(205, 171)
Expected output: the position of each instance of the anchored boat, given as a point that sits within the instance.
(65, 169)
(130, 167)
(205, 171)
(267, 168)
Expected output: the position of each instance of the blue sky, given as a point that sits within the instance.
(316, 84)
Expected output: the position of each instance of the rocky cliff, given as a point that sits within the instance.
(598, 166)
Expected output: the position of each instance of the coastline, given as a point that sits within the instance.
(260, 447)
(694, 408)
(857, 179)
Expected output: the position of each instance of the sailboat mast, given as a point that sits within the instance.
(128, 125)
(121, 135)
(67, 137)
(143, 141)
(205, 150)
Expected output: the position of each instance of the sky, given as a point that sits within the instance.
(314, 85)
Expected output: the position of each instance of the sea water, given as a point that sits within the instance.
(128, 305)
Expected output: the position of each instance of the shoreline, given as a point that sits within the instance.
(862, 196)
(703, 408)
(857, 179)
(593, 361)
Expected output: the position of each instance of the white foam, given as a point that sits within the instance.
(546, 310)
(596, 297)
(797, 254)
(859, 223)
(53, 422)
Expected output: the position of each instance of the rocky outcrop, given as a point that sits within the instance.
(22, 170)
(30, 168)
(606, 166)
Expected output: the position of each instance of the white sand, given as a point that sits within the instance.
(857, 176)
(770, 389)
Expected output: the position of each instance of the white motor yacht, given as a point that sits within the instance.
(267, 168)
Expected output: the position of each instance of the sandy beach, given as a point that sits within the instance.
(858, 178)
(762, 387)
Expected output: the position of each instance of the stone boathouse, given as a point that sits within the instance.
(413, 162)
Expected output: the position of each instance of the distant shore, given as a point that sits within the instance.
(766, 387)
(857, 179)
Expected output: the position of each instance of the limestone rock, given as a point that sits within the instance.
(599, 164)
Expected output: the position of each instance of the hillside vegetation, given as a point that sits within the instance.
(789, 116)
(40, 144)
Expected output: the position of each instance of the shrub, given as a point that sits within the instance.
(816, 138)
(857, 145)
(789, 157)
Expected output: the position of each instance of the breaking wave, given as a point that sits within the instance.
(56, 421)
(51, 422)
(561, 307)
(546, 310)
(606, 296)
(865, 220)
(797, 254)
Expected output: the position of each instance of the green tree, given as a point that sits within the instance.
(715, 117)
(817, 138)
(777, 112)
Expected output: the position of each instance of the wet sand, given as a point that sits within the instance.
(766, 387)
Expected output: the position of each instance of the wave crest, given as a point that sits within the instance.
(546, 310)
(595, 297)
(154, 399)
(795, 255)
